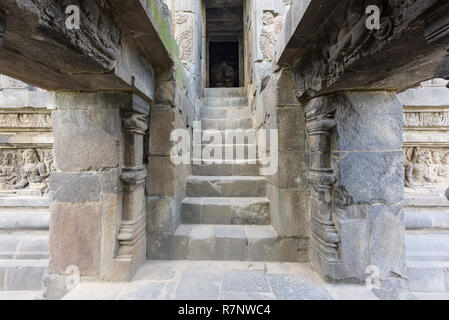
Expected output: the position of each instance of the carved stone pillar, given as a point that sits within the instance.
(324, 236)
(355, 176)
(131, 237)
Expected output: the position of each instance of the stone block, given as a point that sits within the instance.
(294, 220)
(86, 140)
(110, 181)
(161, 126)
(263, 244)
(370, 177)
(161, 177)
(75, 187)
(189, 288)
(292, 133)
(75, 237)
(289, 287)
(387, 239)
(230, 243)
(202, 245)
(292, 170)
(159, 215)
(24, 278)
(368, 121)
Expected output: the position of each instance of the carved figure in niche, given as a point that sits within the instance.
(441, 166)
(417, 171)
(224, 75)
(34, 173)
(8, 175)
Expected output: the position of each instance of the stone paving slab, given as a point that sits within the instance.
(216, 280)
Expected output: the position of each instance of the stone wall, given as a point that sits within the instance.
(426, 137)
(26, 139)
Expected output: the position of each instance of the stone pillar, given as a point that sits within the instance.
(132, 236)
(356, 182)
(97, 192)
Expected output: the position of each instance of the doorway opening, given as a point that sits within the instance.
(224, 64)
(225, 43)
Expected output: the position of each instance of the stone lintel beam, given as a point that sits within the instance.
(330, 49)
(117, 47)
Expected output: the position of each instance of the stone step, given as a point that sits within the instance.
(24, 218)
(426, 218)
(225, 124)
(225, 92)
(226, 136)
(428, 276)
(227, 243)
(239, 151)
(24, 245)
(434, 199)
(226, 112)
(225, 169)
(22, 275)
(226, 186)
(226, 211)
(225, 102)
(427, 246)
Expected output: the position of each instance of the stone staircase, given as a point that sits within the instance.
(226, 212)
(427, 244)
(24, 237)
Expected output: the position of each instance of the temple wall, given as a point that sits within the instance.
(426, 132)
(25, 124)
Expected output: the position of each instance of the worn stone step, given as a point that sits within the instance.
(226, 112)
(24, 245)
(225, 92)
(206, 168)
(236, 136)
(428, 276)
(24, 218)
(225, 124)
(227, 243)
(22, 275)
(226, 186)
(434, 199)
(427, 246)
(426, 218)
(226, 210)
(225, 102)
(228, 151)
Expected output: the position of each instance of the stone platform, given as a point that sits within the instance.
(212, 280)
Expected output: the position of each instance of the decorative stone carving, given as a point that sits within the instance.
(325, 239)
(131, 235)
(344, 38)
(426, 119)
(184, 34)
(25, 120)
(425, 167)
(272, 26)
(224, 75)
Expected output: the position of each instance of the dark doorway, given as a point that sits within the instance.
(224, 64)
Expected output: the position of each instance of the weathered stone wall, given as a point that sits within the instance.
(426, 137)
(25, 138)
(277, 108)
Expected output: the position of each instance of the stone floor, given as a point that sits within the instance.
(191, 280)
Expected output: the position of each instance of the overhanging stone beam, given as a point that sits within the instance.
(329, 48)
(118, 47)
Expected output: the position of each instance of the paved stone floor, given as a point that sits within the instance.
(208, 280)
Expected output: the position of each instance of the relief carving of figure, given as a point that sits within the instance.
(441, 166)
(417, 171)
(34, 173)
(224, 75)
(8, 175)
